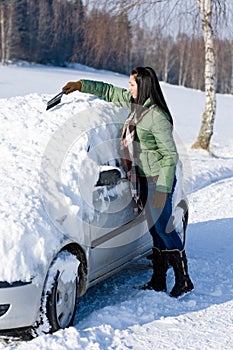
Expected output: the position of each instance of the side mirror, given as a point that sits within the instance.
(109, 177)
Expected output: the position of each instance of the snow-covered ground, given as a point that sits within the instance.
(115, 314)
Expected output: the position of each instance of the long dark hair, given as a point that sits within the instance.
(148, 88)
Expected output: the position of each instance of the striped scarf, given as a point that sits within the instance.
(128, 152)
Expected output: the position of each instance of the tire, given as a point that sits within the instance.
(60, 292)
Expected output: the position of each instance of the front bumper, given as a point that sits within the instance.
(19, 305)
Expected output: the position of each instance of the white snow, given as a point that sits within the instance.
(115, 314)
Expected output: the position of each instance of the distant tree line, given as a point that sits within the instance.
(58, 32)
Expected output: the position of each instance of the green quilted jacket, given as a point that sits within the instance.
(157, 154)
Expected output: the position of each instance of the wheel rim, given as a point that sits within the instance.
(65, 301)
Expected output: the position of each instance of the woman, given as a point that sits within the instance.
(152, 156)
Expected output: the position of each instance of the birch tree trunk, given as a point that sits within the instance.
(9, 33)
(206, 131)
(231, 67)
(166, 65)
(3, 34)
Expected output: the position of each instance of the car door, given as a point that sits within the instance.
(118, 231)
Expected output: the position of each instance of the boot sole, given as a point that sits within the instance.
(150, 288)
(183, 294)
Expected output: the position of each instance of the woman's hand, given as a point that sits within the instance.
(72, 86)
(159, 199)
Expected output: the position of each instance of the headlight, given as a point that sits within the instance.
(3, 309)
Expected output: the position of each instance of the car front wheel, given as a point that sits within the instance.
(60, 292)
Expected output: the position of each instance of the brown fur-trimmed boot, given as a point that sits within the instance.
(160, 267)
(183, 283)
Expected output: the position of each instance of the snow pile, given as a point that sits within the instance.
(115, 314)
(38, 147)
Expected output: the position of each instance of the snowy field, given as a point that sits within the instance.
(115, 314)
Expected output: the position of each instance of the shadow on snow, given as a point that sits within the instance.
(119, 303)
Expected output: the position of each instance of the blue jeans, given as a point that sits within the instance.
(158, 218)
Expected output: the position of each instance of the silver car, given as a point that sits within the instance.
(87, 206)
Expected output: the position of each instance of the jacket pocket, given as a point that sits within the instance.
(150, 163)
(153, 159)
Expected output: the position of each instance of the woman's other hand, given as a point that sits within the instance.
(159, 199)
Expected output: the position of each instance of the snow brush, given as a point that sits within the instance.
(54, 101)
